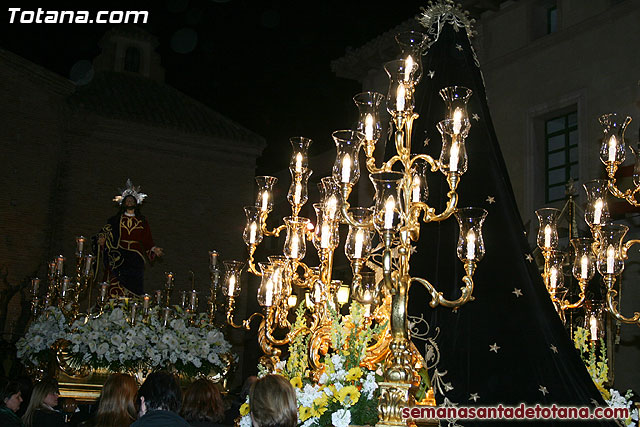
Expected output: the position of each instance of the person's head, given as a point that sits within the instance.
(130, 202)
(202, 402)
(44, 396)
(11, 395)
(160, 391)
(272, 400)
(117, 401)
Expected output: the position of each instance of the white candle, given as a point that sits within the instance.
(88, 262)
(415, 192)
(453, 157)
(232, 284)
(298, 162)
(597, 214)
(80, 243)
(408, 67)
(325, 236)
(332, 207)
(297, 194)
(294, 246)
(553, 280)
(252, 232)
(60, 264)
(357, 252)
(611, 258)
(346, 168)
(389, 207)
(471, 245)
(547, 236)
(268, 295)
(368, 128)
(457, 121)
(593, 328)
(584, 267)
(265, 200)
(612, 148)
(400, 94)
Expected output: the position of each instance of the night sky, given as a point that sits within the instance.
(264, 64)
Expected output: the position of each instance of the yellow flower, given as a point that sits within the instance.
(296, 382)
(322, 401)
(349, 392)
(354, 374)
(244, 409)
(305, 413)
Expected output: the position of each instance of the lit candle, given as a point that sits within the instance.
(457, 121)
(325, 236)
(357, 252)
(294, 246)
(80, 244)
(389, 207)
(265, 200)
(66, 284)
(297, 194)
(593, 328)
(158, 297)
(367, 310)
(232, 284)
(415, 192)
(146, 301)
(400, 94)
(408, 67)
(597, 214)
(553, 280)
(193, 303)
(547, 236)
(252, 233)
(332, 207)
(368, 128)
(268, 294)
(471, 245)
(104, 287)
(59, 264)
(584, 267)
(88, 262)
(292, 300)
(35, 285)
(169, 279)
(612, 148)
(611, 258)
(298, 162)
(346, 168)
(453, 157)
(213, 255)
(52, 268)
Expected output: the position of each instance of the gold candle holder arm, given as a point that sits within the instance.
(251, 261)
(628, 195)
(438, 299)
(627, 246)
(435, 165)
(246, 324)
(344, 208)
(452, 203)
(612, 304)
(564, 305)
(263, 225)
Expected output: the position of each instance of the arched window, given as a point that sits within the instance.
(132, 60)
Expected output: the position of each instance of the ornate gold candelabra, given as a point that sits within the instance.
(606, 251)
(64, 291)
(399, 205)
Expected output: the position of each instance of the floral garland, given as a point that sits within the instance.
(597, 366)
(346, 393)
(188, 344)
(34, 347)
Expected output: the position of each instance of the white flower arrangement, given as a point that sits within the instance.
(188, 344)
(35, 346)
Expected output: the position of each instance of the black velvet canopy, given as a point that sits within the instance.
(508, 345)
